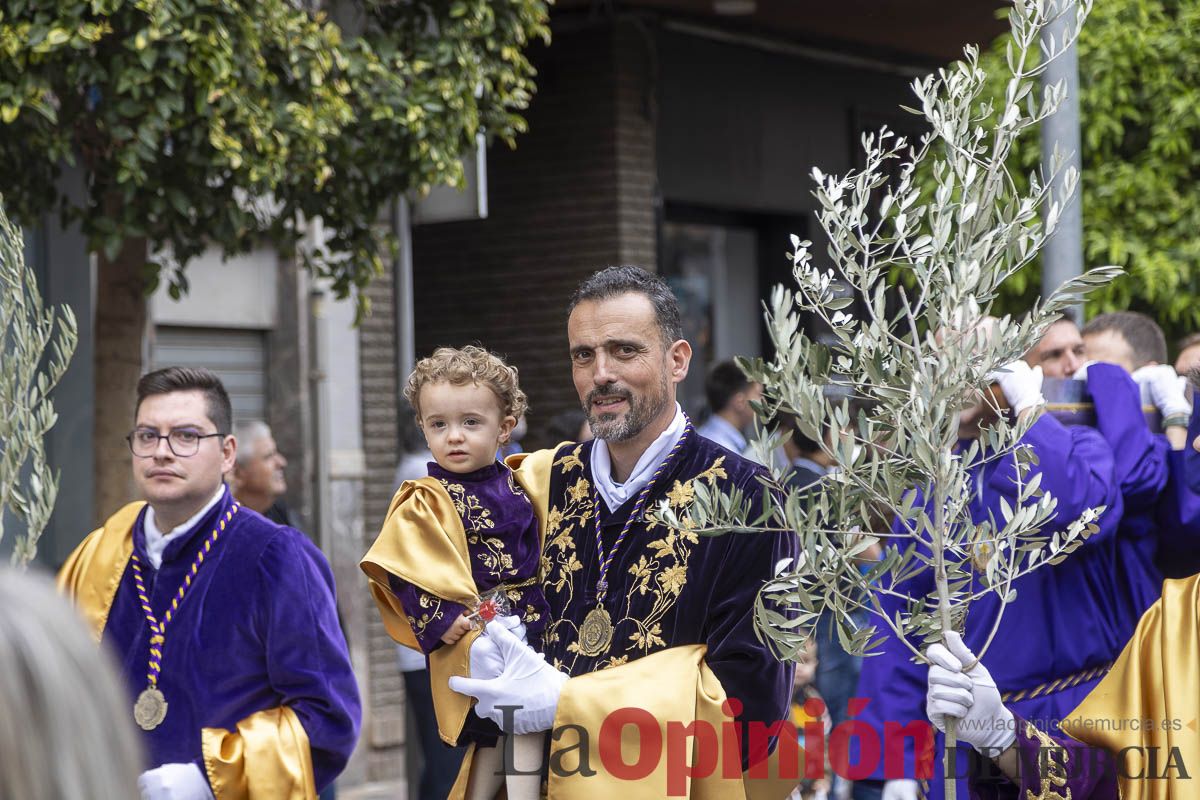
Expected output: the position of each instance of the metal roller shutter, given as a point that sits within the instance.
(238, 357)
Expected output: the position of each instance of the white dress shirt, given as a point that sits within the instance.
(616, 494)
(157, 541)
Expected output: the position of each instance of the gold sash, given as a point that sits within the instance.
(1150, 698)
(268, 756)
(91, 574)
(668, 691)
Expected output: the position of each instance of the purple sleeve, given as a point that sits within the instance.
(1048, 766)
(429, 616)
(1077, 469)
(308, 663)
(1191, 458)
(1139, 457)
(746, 667)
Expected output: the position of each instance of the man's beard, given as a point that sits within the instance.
(642, 410)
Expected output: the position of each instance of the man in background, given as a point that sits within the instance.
(257, 480)
(729, 394)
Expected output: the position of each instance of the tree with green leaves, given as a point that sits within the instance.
(1139, 69)
(36, 345)
(224, 123)
(907, 391)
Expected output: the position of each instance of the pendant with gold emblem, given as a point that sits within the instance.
(596, 632)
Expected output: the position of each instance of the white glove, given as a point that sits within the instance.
(901, 789)
(486, 660)
(174, 782)
(1081, 373)
(1021, 384)
(526, 681)
(1167, 390)
(972, 697)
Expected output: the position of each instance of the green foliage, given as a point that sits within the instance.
(219, 121)
(905, 389)
(36, 345)
(1139, 69)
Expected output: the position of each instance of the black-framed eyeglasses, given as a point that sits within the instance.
(184, 442)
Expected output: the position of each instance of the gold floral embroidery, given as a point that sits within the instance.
(489, 550)
(432, 608)
(1054, 780)
(659, 573)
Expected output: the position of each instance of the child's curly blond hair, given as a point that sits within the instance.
(470, 364)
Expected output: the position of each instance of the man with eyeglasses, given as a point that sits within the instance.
(222, 621)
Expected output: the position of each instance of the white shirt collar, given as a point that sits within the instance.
(616, 494)
(157, 541)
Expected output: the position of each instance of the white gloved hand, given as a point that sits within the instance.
(1167, 391)
(1021, 384)
(514, 624)
(486, 660)
(970, 696)
(901, 789)
(526, 681)
(174, 782)
(1081, 373)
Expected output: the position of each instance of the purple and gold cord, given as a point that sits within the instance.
(606, 559)
(158, 630)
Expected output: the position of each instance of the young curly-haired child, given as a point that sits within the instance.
(457, 542)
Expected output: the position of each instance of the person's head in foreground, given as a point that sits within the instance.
(65, 725)
(467, 402)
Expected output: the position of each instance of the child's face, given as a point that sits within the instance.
(463, 425)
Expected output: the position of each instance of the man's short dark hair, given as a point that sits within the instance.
(189, 379)
(615, 281)
(1191, 340)
(1144, 336)
(724, 380)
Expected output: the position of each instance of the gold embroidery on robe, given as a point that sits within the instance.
(659, 573)
(1054, 777)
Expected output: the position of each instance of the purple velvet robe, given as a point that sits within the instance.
(1050, 766)
(666, 587)
(1179, 511)
(502, 540)
(256, 630)
(1067, 620)
(1140, 471)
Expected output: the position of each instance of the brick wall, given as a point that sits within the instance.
(383, 694)
(576, 195)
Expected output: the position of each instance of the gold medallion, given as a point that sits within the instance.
(150, 709)
(596, 632)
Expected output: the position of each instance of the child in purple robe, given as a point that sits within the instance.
(467, 402)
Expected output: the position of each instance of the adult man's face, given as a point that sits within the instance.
(1110, 347)
(1060, 352)
(262, 473)
(174, 483)
(742, 404)
(624, 372)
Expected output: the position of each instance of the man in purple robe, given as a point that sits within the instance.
(621, 586)
(1072, 619)
(223, 622)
